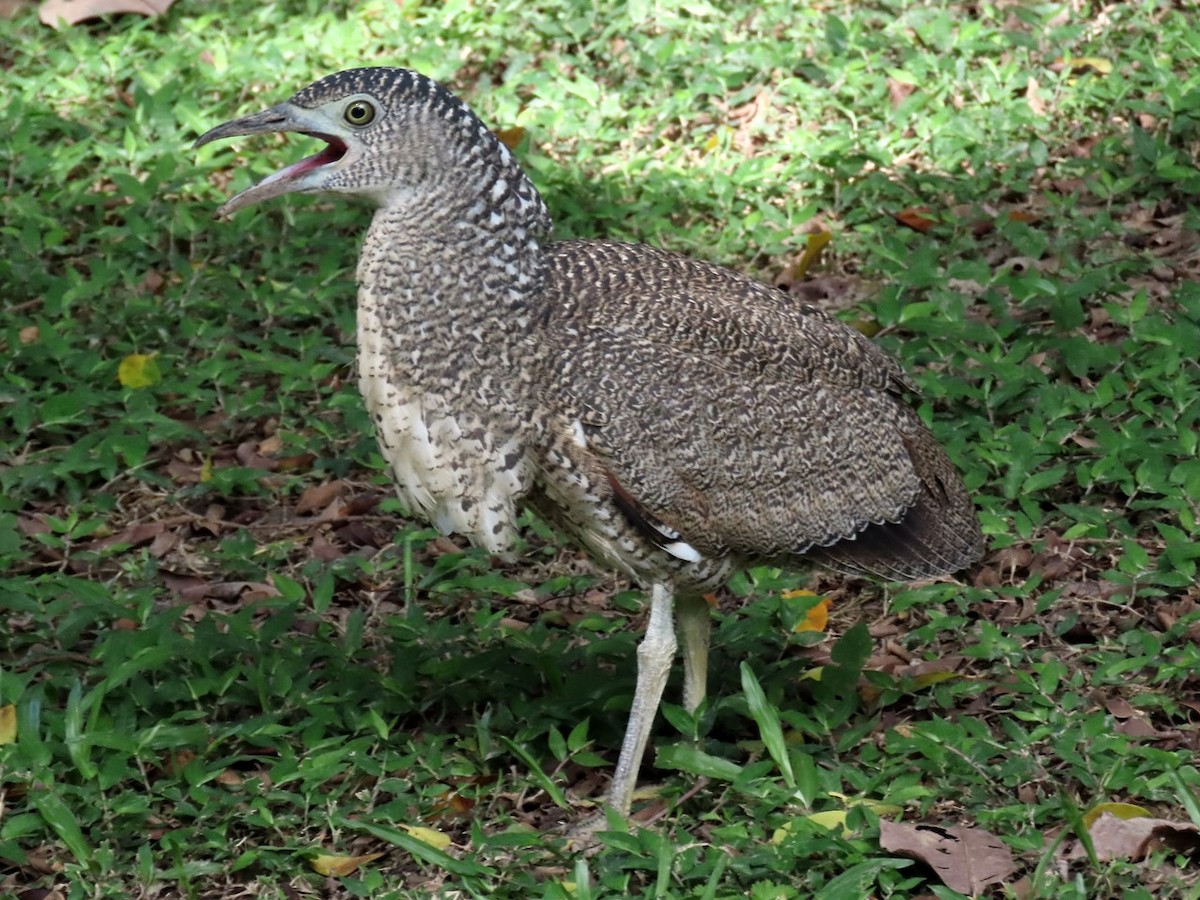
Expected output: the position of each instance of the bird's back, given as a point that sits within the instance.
(729, 423)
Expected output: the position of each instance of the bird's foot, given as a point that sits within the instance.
(583, 835)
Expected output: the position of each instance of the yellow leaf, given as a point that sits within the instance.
(8, 724)
(813, 674)
(830, 820)
(206, 469)
(340, 866)
(815, 246)
(138, 370)
(1120, 810)
(510, 137)
(930, 678)
(429, 836)
(1095, 63)
(815, 619)
(817, 615)
(792, 595)
(875, 806)
(867, 327)
(833, 819)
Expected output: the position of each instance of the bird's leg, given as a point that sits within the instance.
(694, 625)
(655, 654)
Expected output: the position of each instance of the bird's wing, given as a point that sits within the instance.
(729, 419)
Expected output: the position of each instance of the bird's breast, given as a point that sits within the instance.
(457, 454)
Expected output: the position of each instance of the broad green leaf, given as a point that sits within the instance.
(62, 821)
(687, 758)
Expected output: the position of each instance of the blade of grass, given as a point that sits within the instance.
(552, 790)
(416, 847)
(769, 728)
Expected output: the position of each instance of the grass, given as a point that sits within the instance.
(228, 653)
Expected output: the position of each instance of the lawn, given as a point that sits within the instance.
(231, 666)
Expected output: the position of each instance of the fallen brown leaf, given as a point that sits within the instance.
(9, 8)
(967, 860)
(917, 218)
(1136, 838)
(134, 536)
(899, 91)
(1034, 98)
(319, 496)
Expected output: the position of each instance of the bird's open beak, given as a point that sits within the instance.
(306, 175)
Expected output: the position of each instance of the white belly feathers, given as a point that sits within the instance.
(448, 466)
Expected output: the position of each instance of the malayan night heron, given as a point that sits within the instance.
(678, 420)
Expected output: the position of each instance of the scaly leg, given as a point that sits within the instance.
(695, 627)
(655, 654)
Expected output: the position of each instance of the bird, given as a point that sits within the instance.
(678, 420)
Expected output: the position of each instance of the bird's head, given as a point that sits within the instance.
(394, 137)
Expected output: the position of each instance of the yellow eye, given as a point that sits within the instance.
(360, 113)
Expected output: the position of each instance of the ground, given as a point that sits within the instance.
(230, 662)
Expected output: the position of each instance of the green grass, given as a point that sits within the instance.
(212, 688)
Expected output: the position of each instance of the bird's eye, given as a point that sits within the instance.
(360, 113)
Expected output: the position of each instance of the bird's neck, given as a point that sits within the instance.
(446, 287)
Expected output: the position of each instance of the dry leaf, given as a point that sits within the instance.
(899, 91)
(319, 496)
(1034, 98)
(294, 463)
(967, 860)
(247, 455)
(72, 12)
(451, 801)
(153, 281)
(324, 549)
(1118, 838)
(1140, 727)
(134, 536)
(917, 218)
(9, 8)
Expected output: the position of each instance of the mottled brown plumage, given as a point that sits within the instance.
(679, 420)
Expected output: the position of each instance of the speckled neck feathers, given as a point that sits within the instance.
(447, 279)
